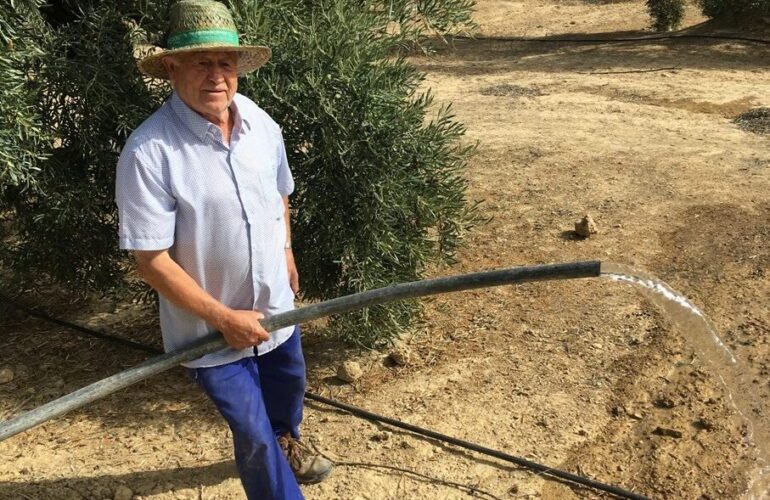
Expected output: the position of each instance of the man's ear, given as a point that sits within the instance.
(171, 64)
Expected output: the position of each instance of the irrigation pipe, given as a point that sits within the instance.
(80, 329)
(651, 38)
(336, 306)
(544, 469)
(215, 341)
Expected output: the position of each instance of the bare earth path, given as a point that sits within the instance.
(577, 375)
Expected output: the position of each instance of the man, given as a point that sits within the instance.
(202, 191)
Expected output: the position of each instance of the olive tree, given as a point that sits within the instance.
(378, 168)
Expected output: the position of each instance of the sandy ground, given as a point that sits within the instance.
(583, 375)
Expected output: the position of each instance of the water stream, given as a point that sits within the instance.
(736, 378)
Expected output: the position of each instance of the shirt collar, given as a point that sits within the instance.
(199, 125)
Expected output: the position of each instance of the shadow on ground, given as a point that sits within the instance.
(591, 52)
(142, 483)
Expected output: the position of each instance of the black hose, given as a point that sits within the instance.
(560, 39)
(544, 469)
(78, 328)
(214, 342)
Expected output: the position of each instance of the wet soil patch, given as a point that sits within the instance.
(755, 120)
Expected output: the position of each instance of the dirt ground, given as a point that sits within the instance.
(586, 376)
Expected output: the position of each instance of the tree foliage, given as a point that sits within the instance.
(380, 191)
(667, 14)
(734, 8)
(23, 141)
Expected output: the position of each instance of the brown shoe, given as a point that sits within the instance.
(308, 468)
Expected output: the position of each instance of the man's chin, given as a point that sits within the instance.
(215, 106)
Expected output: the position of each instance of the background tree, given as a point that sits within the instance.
(23, 141)
(734, 9)
(380, 191)
(667, 14)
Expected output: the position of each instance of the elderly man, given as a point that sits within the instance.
(202, 190)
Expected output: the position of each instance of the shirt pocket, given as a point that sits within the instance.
(267, 171)
(259, 171)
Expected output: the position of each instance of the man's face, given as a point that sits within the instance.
(205, 81)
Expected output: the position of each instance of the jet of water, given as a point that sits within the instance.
(701, 335)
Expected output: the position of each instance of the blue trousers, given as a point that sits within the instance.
(261, 397)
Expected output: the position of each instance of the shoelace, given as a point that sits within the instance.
(294, 451)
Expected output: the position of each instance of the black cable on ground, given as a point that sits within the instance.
(34, 312)
(361, 413)
(653, 38)
(544, 469)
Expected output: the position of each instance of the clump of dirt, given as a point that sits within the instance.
(586, 226)
(349, 371)
(401, 355)
(509, 90)
(6, 375)
(755, 120)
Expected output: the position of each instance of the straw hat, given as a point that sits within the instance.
(196, 25)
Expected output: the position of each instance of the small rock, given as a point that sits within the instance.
(380, 436)
(401, 355)
(664, 431)
(6, 375)
(186, 494)
(586, 226)
(704, 423)
(664, 402)
(123, 492)
(100, 491)
(631, 412)
(349, 371)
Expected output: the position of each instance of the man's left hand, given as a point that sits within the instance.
(293, 274)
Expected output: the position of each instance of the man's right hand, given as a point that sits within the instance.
(241, 328)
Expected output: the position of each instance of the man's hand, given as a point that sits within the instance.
(241, 328)
(293, 274)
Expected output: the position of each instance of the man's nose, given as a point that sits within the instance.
(216, 72)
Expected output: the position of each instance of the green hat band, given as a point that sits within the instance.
(202, 37)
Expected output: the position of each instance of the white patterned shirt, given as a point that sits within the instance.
(217, 208)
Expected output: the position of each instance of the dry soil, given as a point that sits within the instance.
(586, 376)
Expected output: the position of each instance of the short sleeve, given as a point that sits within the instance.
(146, 207)
(284, 180)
